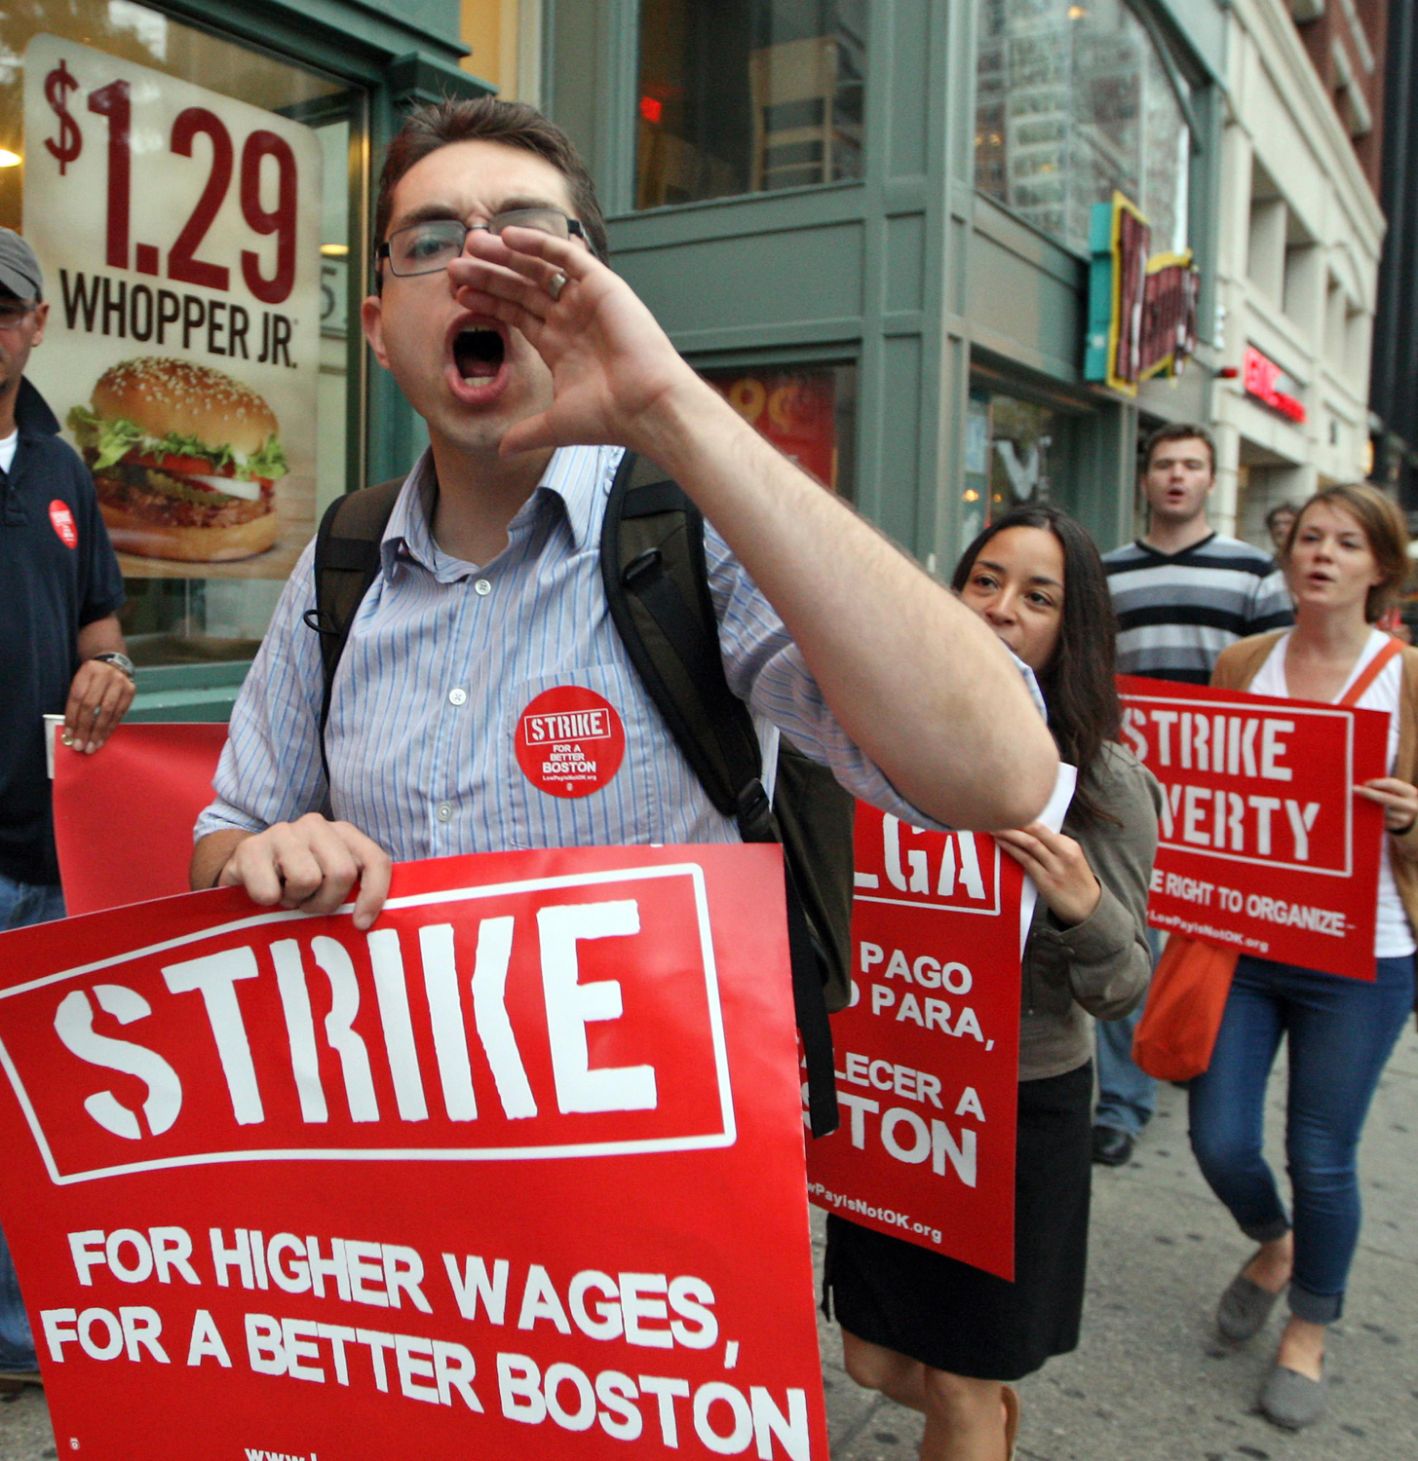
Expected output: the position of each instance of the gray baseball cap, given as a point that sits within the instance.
(19, 269)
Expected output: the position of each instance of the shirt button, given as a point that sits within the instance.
(445, 811)
(482, 588)
(458, 696)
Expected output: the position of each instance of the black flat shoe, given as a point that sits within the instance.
(1112, 1146)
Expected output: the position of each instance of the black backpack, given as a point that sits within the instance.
(656, 583)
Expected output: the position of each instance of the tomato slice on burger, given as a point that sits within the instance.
(181, 466)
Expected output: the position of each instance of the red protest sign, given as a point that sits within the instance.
(123, 817)
(470, 1183)
(928, 1050)
(1262, 843)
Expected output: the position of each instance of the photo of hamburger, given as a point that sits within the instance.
(184, 458)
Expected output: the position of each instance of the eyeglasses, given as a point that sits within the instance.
(14, 315)
(428, 248)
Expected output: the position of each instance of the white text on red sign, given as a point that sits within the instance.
(927, 869)
(494, 1034)
(1233, 781)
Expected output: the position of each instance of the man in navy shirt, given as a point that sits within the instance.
(61, 650)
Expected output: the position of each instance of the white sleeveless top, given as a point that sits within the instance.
(1393, 934)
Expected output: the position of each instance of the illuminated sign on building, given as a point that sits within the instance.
(1265, 380)
(1141, 306)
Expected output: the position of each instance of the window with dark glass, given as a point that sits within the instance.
(747, 96)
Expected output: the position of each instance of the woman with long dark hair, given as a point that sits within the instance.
(1345, 558)
(931, 1332)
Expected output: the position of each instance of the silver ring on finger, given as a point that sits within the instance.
(556, 284)
(95, 709)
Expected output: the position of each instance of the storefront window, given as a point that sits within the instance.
(188, 199)
(808, 412)
(746, 96)
(1073, 102)
(1012, 451)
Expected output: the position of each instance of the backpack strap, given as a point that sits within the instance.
(346, 563)
(657, 590)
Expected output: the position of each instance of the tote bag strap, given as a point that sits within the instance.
(1371, 672)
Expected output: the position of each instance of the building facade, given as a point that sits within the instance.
(1298, 257)
(875, 226)
(883, 211)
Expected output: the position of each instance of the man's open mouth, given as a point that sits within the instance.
(478, 355)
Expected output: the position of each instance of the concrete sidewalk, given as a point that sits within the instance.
(1151, 1381)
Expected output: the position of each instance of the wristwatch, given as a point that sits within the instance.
(118, 661)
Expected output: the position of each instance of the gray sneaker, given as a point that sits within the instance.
(1243, 1309)
(1292, 1400)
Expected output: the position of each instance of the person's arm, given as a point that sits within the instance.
(262, 832)
(99, 693)
(1397, 794)
(916, 680)
(1105, 869)
(1404, 839)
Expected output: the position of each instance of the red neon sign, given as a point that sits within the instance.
(1265, 380)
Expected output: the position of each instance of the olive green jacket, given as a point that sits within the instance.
(1099, 967)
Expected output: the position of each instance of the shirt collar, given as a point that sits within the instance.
(574, 487)
(580, 477)
(32, 414)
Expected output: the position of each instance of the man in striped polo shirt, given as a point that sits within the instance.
(1182, 594)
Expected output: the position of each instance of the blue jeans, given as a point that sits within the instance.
(1340, 1033)
(20, 905)
(1126, 1095)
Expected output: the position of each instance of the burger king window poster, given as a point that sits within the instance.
(179, 233)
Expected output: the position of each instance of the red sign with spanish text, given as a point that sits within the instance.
(470, 1183)
(1262, 844)
(927, 1053)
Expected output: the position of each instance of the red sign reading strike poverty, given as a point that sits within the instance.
(928, 1051)
(471, 1183)
(1262, 843)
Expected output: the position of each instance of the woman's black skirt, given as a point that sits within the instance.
(961, 1319)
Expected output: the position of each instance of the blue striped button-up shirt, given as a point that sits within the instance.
(444, 656)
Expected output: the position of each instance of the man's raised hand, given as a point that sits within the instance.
(613, 367)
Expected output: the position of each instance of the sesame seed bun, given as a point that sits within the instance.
(162, 395)
(176, 493)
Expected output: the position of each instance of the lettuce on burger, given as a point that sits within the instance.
(184, 458)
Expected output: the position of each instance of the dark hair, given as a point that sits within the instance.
(1078, 682)
(1279, 510)
(486, 119)
(1384, 528)
(1178, 431)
